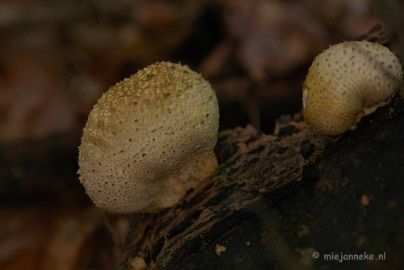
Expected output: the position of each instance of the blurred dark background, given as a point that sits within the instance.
(58, 57)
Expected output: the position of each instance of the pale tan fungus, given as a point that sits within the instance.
(138, 263)
(149, 139)
(346, 82)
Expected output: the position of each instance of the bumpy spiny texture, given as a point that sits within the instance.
(148, 139)
(344, 81)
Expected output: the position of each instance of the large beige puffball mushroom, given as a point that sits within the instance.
(149, 139)
(347, 81)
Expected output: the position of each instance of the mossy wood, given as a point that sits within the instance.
(277, 199)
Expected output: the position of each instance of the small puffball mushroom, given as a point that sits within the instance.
(149, 139)
(346, 82)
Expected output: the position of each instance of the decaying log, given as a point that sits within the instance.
(276, 200)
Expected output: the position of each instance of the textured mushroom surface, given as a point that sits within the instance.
(347, 81)
(149, 139)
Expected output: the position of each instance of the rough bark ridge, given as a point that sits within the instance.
(276, 199)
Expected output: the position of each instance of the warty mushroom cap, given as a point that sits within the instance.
(149, 139)
(346, 82)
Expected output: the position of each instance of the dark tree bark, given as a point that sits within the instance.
(277, 199)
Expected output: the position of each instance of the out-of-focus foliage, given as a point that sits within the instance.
(57, 57)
